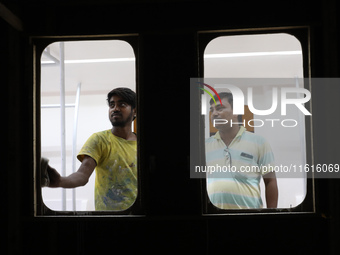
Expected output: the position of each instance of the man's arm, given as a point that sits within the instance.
(271, 189)
(79, 178)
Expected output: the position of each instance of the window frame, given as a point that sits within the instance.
(302, 33)
(39, 43)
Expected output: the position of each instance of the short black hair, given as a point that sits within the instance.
(222, 95)
(127, 94)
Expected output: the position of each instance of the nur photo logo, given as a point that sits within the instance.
(281, 97)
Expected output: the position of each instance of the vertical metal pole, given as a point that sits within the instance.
(301, 118)
(74, 145)
(62, 120)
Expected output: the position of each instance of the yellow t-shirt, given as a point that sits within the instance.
(116, 170)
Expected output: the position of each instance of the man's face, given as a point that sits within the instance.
(224, 111)
(120, 112)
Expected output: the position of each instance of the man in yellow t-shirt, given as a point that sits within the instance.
(113, 153)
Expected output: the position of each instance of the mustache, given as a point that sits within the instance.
(214, 118)
(116, 114)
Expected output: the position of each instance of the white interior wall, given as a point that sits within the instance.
(285, 142)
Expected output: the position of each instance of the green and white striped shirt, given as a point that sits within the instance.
(234, 182)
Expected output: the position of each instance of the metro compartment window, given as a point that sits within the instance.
(76, 77)
(246, 58)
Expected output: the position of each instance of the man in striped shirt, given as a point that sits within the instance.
(239, 159)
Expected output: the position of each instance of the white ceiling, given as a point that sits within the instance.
(115, 65)
(281, 57)
(253, 43)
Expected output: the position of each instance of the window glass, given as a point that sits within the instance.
(263, 62)
(91, 70)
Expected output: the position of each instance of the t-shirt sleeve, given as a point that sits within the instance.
(266, 159)
(92, 148)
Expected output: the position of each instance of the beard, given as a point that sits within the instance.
(123, 122)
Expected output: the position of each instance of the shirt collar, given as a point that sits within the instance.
(239, 133)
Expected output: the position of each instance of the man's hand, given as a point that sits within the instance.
(77, 179)
(54, 177)
(271, 190)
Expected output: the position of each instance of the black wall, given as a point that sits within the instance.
(167, 56)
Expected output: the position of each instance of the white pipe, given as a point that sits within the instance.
(47, 54)
(62, 120)
(74, 145)
(301, 117)
(302, 136)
